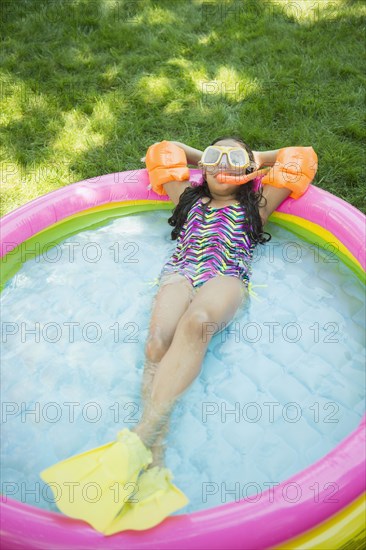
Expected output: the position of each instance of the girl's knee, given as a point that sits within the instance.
(156, 347)
(194, 321)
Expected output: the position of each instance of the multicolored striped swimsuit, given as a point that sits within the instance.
(216, 243)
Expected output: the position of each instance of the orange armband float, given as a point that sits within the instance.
(165, 162)
(295, 168)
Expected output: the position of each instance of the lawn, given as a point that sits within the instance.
(87, 86)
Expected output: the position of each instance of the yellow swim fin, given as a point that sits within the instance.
(155, 499)
(95, 485)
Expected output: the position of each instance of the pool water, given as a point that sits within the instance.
(279, 388)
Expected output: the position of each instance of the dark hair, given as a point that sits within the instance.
(248, 198)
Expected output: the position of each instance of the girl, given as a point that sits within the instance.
(217, 225)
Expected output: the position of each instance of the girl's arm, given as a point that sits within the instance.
(273, 196)
(193, 155)
(277, 186)
(265, 158)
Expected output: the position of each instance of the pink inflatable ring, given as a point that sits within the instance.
(318, 217)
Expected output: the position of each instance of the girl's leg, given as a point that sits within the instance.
(214, 305)
(158, 448)
(171, 301)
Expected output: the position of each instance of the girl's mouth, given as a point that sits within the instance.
(228, 174)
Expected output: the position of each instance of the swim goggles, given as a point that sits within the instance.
(237, 156)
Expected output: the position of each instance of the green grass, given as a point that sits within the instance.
(87, 86)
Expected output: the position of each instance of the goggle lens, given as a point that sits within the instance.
(211, 155)
(238, 158)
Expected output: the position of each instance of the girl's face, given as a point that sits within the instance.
(210, 172)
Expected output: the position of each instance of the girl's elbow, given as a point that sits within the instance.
(264, 217)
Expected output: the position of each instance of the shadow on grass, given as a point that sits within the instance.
(118, 76)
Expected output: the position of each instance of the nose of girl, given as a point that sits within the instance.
(224, 163)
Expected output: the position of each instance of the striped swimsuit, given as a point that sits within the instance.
(216, 244)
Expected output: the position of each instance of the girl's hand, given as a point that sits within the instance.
(266, 158)
(193, 155)
(258, 159)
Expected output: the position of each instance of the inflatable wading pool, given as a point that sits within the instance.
(318, 217)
